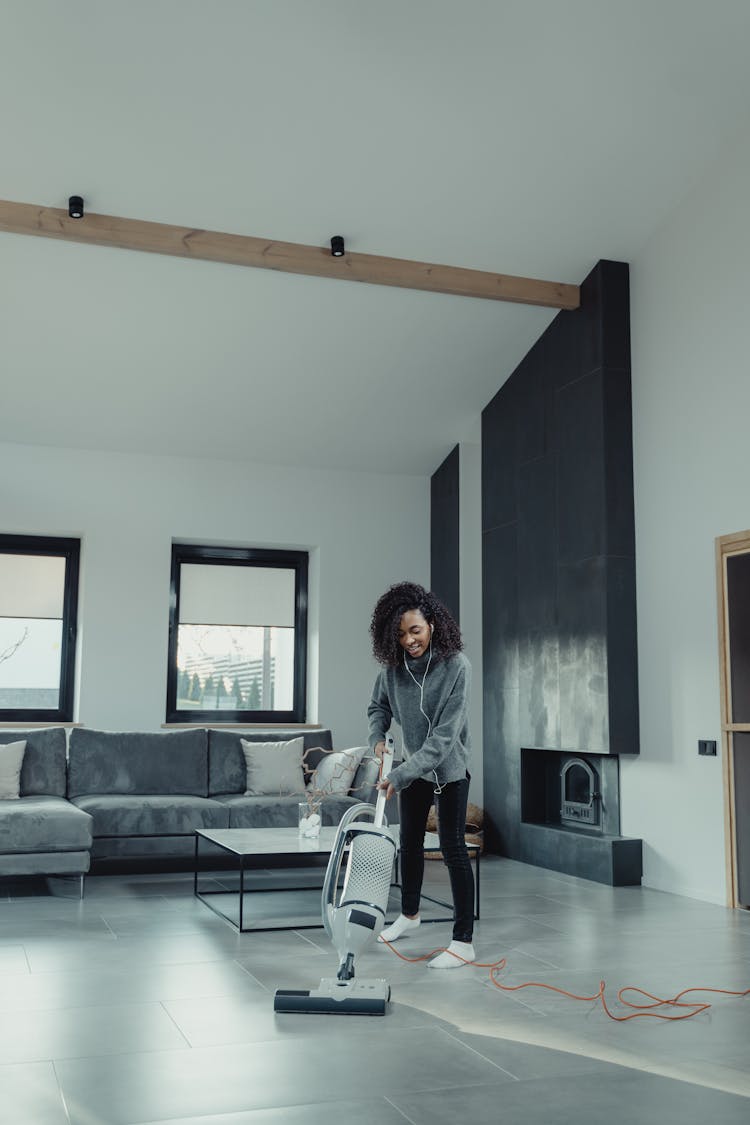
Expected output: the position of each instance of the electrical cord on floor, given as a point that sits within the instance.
(640, 1011)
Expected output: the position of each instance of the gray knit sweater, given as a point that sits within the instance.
(443, 754)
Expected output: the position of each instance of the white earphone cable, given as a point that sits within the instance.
(438, 788)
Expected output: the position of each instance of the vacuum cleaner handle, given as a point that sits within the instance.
(385, 768)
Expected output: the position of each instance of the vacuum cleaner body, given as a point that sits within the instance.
(354, 916)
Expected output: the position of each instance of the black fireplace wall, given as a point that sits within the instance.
(560, 658)
(444, 532)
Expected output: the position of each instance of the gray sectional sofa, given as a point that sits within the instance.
(42, 833)
(135, 795)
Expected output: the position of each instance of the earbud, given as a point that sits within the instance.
(432, 628)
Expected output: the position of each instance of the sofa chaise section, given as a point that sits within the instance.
(42, 833)
(146, 793)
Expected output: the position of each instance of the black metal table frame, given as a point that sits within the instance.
(203, 896)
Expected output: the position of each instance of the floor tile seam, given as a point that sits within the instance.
(106, 923)
(514, 998)
(305, 938)
(102, 1004)
(474, 1051)
(60, 1090)
(173, 1020)
(399, 1110)
(667, 966)
(614, 973)
(252, 976)
(127, 963)
(626, 1058)
(535, 920)
(79, 972)
(541, 960)
(44, 1012)
(98, 1059)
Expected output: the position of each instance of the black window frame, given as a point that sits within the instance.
(240, 556)
(70, 550)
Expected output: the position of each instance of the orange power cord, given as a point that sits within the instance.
(641, 1010)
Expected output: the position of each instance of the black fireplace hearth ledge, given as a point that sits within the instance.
(614, 860)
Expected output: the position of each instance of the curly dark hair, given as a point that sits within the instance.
(391, 607)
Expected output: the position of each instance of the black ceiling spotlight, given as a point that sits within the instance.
(337, 246)
(75, 206)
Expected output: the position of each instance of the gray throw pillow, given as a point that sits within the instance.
(274, 769)
(11, 760)
(335, 772)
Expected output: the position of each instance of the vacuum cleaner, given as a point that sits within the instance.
(354, 914)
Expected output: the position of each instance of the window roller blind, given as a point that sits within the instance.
(32, 586)
(236, 595)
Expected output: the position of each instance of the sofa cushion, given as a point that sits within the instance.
(226, 761)
(40, 824)
(142, 815)
(11, 760)
(138, 763)
(279, 812)
(273, 768)
(365, 780)
(335, 772)
(43, 770)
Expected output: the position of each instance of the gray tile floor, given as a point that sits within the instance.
(139, 1005)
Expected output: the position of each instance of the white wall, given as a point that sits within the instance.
(364, 531)
(691, 415)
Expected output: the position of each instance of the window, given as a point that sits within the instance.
(237, 635)
(38, 621)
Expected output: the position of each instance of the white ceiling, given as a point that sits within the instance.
(520, 136)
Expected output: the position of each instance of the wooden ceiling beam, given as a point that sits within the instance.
(288, 257)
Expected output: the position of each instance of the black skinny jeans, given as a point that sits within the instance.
(414, 805)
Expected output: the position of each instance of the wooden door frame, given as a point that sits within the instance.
(726, 546)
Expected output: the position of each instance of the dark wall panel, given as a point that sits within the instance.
(500, 604)
(618, 468)
(558, 547)
(499, 461)
(622, 657)
(580, 469)
(582, 624)
(444, 533)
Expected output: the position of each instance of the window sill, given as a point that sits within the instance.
(243, 726)
(19, 724)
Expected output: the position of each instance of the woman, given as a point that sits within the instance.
(424, 685)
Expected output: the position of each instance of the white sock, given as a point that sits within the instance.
(464, 951)
(397, 929)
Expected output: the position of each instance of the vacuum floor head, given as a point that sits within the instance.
(336, 998)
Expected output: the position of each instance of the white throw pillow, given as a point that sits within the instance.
(11, 760)
(274, 769)
(335, 772)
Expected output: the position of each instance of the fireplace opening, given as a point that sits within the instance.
(580, 799)
(575, 791)
(570, 816)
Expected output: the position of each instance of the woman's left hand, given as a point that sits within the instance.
(385, 784)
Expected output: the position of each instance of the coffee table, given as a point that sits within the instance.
(254, 848)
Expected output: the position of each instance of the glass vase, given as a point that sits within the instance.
(309, 820)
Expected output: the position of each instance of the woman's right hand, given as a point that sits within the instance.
(379, 749)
